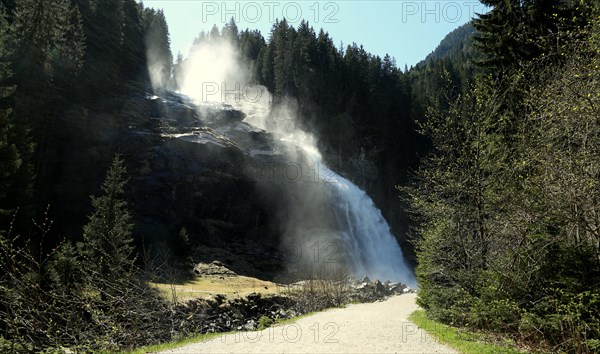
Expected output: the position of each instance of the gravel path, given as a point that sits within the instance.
(379, 327)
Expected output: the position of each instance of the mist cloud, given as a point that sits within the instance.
(213, 72)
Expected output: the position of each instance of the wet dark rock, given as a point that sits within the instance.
(187, 167)
(219, 114)
(175, 111)
(379, 287)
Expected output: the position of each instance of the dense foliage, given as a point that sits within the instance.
(61, 62)
(89, 297)
(507, 201)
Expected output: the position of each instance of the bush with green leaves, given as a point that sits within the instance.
(89, 297)
(508, 203)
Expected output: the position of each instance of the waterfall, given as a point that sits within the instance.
(334, 209)
(369, 246)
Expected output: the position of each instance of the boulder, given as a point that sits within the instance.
(379, 287)
(362, 286)
(214, 268)
(250, 325)
(396, 288)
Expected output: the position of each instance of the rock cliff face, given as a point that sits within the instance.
(202, 182)
(195, 168)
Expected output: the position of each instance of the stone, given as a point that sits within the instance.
(362, 286)
(379, 288)
(250, 325)
(396, 289)
(214, 268)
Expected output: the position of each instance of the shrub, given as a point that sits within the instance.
(265, 322)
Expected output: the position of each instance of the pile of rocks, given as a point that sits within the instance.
(366, 290)
(222, 315)
(215, 268)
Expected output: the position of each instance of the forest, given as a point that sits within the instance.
(506, 201)
(484, 157)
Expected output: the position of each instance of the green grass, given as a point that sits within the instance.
(291, 320)
(208, 286)
(464, 342)
(175, 344)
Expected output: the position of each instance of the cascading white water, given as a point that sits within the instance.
(369, 246)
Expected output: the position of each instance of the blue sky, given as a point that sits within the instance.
(407, 30)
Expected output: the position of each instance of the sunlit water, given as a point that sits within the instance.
(370, 248)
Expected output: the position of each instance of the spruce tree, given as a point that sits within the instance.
(283, 38)
(133, 64)
(46, 60)
(514, 32)
(68, 58)
(230, 31)
(107, 237)
(267, 73)
(104, 25)
(498, 33)
(158, 47)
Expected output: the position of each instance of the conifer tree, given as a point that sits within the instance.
(104, 25)
(158, 47)
(517, 31)
(107, 237)
(282, 39)
(46, 55)
(68, 59)
(230, 31)
(133, 64)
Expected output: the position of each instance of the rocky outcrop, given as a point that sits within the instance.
(222, 315)
(368, 291)
(215, 268)
(189, 170)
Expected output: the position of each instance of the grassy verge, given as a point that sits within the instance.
(207, 286)
(175, 344)
(462, 341)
